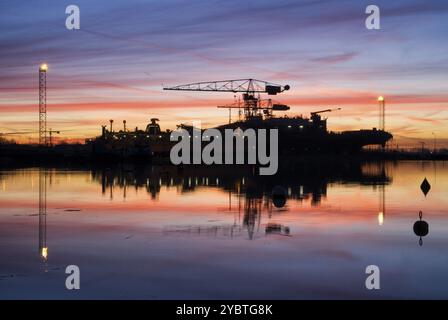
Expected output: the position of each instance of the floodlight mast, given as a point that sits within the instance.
(43, 140)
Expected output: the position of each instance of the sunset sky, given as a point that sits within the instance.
(115, 65)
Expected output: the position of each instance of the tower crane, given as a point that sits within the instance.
(50, 133)
(253, 106)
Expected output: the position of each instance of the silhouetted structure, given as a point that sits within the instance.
(43, 249)
(421, 228)
(301, 181)
(297, 135)
(43, 68)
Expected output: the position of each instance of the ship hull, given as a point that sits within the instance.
(296, 139)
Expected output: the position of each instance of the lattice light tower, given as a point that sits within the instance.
(43, 68)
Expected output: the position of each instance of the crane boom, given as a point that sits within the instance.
(326, 110)
(17, 132)
(51, 132)
(240, 85)
(29, 132)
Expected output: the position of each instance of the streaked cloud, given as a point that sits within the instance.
(125, 51)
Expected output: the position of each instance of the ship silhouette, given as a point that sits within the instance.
(298, 135)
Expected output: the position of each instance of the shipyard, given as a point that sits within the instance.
(298, 136)
(203, 152)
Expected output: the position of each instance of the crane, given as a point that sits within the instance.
(50, 133)
(253, 106)
(239, 85)
(323, 111)
(315, 116)
(317, 119)
(266, 105)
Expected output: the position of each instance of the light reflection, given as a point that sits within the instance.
(219, 217)
(44, 253)
(380, 218)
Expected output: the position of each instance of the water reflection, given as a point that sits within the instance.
(43, 249)
(302, 182)
(183, 232)
(298, 181)
(421, 228)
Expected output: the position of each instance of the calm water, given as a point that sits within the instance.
(162, 232)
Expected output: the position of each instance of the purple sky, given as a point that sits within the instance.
(115, 65)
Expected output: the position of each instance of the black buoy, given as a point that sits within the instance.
(279, 195)
(421, 228)
(425, 186)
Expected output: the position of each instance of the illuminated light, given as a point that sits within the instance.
(380, 218)
(289, 127)
(301, 127)
(43, 67)
(380, 99)
(44, 253)
(160, 136)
